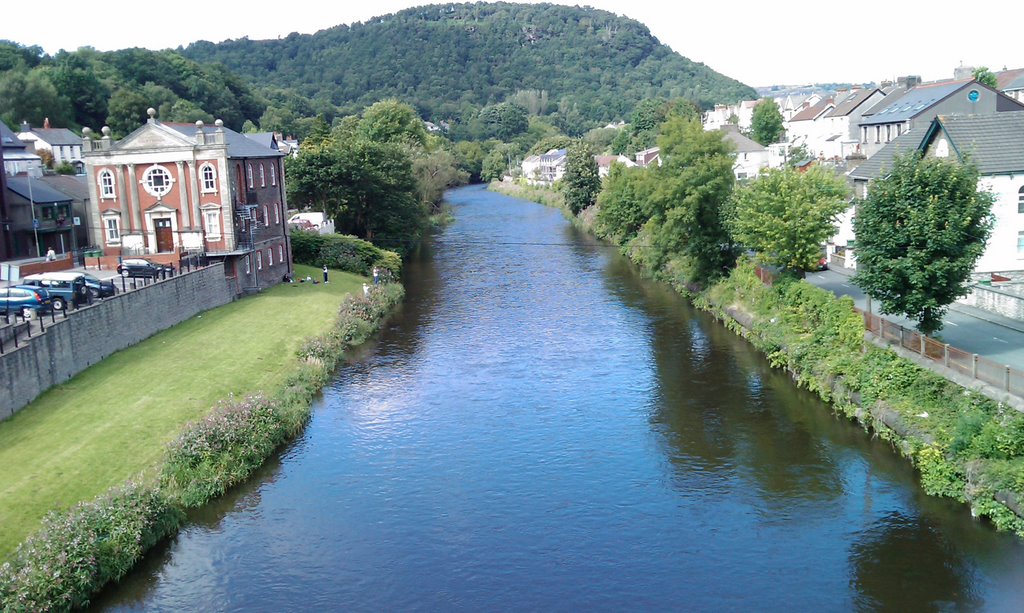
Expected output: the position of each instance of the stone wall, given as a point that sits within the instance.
(69, 346)
(1005, 301)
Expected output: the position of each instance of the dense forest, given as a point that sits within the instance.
(580, 66)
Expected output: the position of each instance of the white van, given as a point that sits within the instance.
(312, 220)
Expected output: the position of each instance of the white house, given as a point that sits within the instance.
(995, 144)
(810, 127)
(604, 163)
(63, 144)
(750, 156)
(648, 157)
(531, 169)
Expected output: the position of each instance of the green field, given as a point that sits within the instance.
(112, 421)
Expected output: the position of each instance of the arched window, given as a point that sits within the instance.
(209, 177)
(247, 269)
(263, 177)
(259, 260)
(106, 184)
(248, 174)
(273, 173)
(270, 256)
(1020, 199)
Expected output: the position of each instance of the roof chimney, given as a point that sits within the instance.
(46, 123)
(25, 127)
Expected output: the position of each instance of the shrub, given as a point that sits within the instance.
(78, 551)
(342, 252)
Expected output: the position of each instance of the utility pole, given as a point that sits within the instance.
(32, 207)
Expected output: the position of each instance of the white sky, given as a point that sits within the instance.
(793, 43)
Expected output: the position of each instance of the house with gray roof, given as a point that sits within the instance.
(170, 189)
(844, 120)
(749, 156)
(915, 109)
(995, 144)
(40, 218)
(17, 158)
(64, 145)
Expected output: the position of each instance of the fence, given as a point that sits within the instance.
(968, 364)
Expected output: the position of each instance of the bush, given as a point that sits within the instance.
(342, 252)
(78, 551)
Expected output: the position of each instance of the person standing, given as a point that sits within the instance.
(51, 255)
(325, 273)
(376, 275)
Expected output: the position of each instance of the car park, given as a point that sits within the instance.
(65, 288)
(141, 267)
(25, 299)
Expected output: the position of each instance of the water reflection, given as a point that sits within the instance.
(542, 429)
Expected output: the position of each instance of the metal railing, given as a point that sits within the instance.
(972, 365)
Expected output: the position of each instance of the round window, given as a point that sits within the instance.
(973, 95)
(157, 181)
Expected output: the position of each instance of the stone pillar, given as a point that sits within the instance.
(193, 176)
(136, 204)
(186, 207)
(122, 197)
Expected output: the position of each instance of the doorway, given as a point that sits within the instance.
(164, 235)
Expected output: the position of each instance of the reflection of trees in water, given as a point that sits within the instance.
(722, 407)
(905, 564)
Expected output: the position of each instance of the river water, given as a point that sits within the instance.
(542, 429)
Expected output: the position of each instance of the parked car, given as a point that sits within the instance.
(64, 287)
(140, 267)
(25, 299)
(98, 288)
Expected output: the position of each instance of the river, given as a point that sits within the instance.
(540, 428)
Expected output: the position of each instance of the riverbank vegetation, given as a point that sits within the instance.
(118, 428)
(686, 222)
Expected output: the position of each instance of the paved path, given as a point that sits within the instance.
(989, 335)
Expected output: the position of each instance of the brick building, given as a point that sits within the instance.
(170, 189)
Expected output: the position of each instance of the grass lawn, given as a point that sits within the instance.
(112, 421)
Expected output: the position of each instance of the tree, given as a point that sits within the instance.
(498, 161)
(435, 172)
(391, 121)
(986, 77)
(766, 124)
(30, 96)
(920, 233)
(694, 183)
(622, 204)
(785, 215)
(581, 182)
(505, 120)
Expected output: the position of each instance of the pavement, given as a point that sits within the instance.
(973, 330)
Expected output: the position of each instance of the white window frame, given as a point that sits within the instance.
(277, 213)
(248, 174)
(270, 256)
(280, 253)
(266, 215)
(1020, 200)
(211, 223)
(273, 173)
(112, 229)
(248, 270)
(263, 176)
(209, 183)
(259, 260)
(106, 189)
(153, 189)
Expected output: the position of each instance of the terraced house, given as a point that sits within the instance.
(171, 189)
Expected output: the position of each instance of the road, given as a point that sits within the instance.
(993, 337)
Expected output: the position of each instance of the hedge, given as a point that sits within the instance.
(342, 252)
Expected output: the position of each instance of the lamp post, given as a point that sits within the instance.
(32, 208)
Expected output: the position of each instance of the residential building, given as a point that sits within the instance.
(916, 108)
(810, 128)
(6, 238)
(531, 169)
(168, 189)
(604, 163)
(740, 114)
(843, 121)
(41, 218)
(75, 187)
(17, 158)
(750, 156)
(63, 144)
(648, 157)
(1011, 83)
(993, 143)
(552, 166)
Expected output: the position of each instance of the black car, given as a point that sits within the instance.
(139, 267)
(99, 288)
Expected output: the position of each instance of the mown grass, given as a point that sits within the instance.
(114, 420)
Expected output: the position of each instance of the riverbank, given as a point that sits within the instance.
(265, 357)
(964, 445)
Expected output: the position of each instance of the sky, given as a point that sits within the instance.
(759, 43)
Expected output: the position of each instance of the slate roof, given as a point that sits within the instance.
(239, 146)
(911, 104)
(41, 192)
(813, 111)
(8, 139)
(1010, 79)
(57, 136)
(995, 143)
(850, 103)
(75, 186)
(874, 166)
(264, 138)
(741, 143)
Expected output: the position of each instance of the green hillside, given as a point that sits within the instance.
(579, 64)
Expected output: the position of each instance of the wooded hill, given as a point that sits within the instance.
(580, 65)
